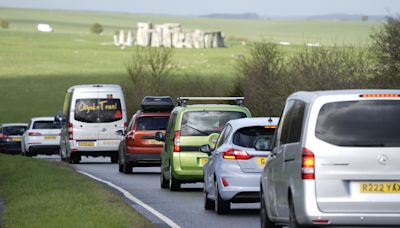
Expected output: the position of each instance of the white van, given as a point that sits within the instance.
(93, 122)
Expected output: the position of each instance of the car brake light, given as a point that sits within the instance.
(232, 154)
(34, 134)
(2, 136)
(177, 141)
(70, 131)
(379, 95)
(308, 165)
(125, 125)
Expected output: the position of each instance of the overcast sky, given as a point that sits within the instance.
(199, 7)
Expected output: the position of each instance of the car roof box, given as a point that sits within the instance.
(157, 104)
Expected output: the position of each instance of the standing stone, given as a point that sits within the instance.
(208, 39)
(218, 41)
(129, 40)
(143, 36)
(188, 42)
(121, 37)
(115, 40)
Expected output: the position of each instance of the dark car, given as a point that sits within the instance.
(139, 148)
(11, 136)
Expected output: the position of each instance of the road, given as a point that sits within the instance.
(185, 207)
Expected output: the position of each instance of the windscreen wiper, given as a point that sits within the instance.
(200, 131)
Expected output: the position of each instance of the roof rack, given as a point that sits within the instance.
(182, 101)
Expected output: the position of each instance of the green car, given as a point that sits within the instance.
(189, 127)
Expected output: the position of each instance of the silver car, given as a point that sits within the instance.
(335, 161)
(232, 172)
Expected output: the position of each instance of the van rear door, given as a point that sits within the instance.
(357, 156)
(85, 115)
(111, 115)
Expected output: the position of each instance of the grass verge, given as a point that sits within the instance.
(45, 194)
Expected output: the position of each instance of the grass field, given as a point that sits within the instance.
(38, 193)
(37, 68)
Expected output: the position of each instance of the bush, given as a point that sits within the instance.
(386, 49)
(4, 23)
(266, 77)
(96, 28)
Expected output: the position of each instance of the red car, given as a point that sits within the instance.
(139, 147)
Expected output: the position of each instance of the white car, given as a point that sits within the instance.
(42, 137)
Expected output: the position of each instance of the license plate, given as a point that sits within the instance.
(380, 187)
(203, 161)
(262, 161)
(16, 139)
(50, 137)
(153, 141)
(86, 143)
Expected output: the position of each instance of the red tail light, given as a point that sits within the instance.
(232, 154)
(125, 124)
(70, 131)
(308, 165)
(224, 182)
(177, 141)
(34, 134)
(2, 136)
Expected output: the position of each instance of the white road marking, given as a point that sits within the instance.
(135, 200)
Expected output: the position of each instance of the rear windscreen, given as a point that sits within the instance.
(45, 125)
(373, 123)
(152, 123)
(14, 130)
(98, 110)
(250, 136)
(203, 123)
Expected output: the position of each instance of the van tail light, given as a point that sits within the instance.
(232, 154)
(34, 134)
(125, 125)
(177, 141)
(308, 165)
(2, 136)
(70, 131)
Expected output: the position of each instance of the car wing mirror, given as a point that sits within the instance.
(159, 136)
(60, 119)
(206, 149)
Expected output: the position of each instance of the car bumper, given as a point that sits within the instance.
(242, 188)
(144, 160)
(99, 146)
(44, 149)
(307, 212)
(10, 147)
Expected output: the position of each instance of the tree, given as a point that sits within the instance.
(96, 28)
(4, 23)
(386, 49)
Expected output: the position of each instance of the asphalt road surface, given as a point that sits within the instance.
(184, 207)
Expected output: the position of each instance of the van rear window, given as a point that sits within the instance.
(203, 123)
(98, 110)
(45, 125)
(372, 123)
(152, 123)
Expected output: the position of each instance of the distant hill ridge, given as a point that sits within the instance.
(345, 17)
(248, 16)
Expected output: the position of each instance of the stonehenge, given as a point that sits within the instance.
(172, 35)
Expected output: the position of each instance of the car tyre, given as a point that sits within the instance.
(264, 219)
(74, 158)
(221, 206)
(163, 182)
(174, 184)
(208, 203)
(126, 167)
(292, 216)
